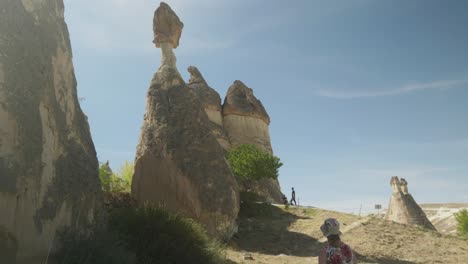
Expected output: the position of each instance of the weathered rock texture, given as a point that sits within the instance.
(167, 29)
(246, 122)
(403, 208)
(48, 166)
(179, 163)
(211, 102)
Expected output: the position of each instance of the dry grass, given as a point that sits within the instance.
(279, 235)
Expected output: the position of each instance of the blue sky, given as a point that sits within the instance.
(358, 91)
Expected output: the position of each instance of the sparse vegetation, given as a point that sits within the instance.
(142, 235)
(309, 212)
(462, 223)
(255, 209)
(93, 247)
(161, 237)
(116, 182)
(250, 163)
(105, 175)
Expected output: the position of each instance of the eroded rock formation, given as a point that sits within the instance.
(246, 122)
(167, 29)
(211, 102)
(179, 163)
(48, 166)
(403, 208)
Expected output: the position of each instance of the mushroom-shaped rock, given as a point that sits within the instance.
(179, 163)
(403, 208)
(167, 26)
(246, 122)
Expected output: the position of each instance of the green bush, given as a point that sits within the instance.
(157, 236)
(105, 175)
(95, 247)
(462, 221)
(250, 208)
(116, 182)
(249, 162)
(143, 235)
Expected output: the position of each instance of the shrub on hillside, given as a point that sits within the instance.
(462, 222)
(157, 236)
(250, 163)
(143, 235)
(93, 247)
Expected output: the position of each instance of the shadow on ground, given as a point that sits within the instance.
(383, 260)
(263, 229)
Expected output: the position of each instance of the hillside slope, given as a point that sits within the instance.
(273, 234)
(442, 216)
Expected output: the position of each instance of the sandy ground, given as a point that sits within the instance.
(273, 235)
(442, 216)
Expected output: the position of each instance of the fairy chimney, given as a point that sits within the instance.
(179, 163)
(403, 208)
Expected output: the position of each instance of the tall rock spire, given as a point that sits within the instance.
(48, 165)
(403, 208)
(179, 163)
(246, 122)
(211, 102)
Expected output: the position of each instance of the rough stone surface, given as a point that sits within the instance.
(179, 163)
(167, 27)
(246, 122)
(211, 102)
(48, 166)
(240, 100)
(403, 208)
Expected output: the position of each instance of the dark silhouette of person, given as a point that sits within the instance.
(293, 197)
(284, 198)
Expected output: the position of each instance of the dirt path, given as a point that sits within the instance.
(274, 235)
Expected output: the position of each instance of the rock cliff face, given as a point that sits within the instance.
(179, 163)
(245, 119)
(246, 122)
(403, 208)
(211, 102)
(48, 166)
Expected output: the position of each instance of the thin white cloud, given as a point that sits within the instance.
(404, 89)
(125, 26)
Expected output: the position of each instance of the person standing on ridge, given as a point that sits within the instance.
(336, 252)
(293, 197)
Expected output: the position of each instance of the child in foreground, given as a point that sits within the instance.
(336, 252)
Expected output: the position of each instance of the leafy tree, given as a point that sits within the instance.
(250, 163)
(116, 182)
(105, 175)
(462, 220)
(122, 180)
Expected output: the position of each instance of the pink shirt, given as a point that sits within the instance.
(341, 255)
